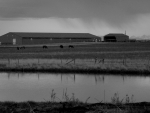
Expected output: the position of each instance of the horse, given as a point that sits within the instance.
(18, 48)
(45, 47)
(61, 46)
(71, 46)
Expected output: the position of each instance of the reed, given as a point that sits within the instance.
(73, 105)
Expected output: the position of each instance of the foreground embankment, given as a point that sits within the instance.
(73, 107)
(112, 66)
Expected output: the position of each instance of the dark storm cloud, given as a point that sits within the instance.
(40, 8)
(106, 9)
(99, 16)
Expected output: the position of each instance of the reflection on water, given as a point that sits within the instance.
(38, 87)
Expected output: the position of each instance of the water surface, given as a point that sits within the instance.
(38, 87)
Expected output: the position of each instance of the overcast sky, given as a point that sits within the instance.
(98, 17)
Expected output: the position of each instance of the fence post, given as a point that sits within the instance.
(38, 61)
(104, 96)
(18, 61)
(103, 61)
(74, 61)
(95, 60)
(74, 78)
(124, 62)
(8, 61)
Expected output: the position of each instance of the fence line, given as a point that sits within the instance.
(94, 61)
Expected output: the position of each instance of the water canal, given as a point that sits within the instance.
(38, 87)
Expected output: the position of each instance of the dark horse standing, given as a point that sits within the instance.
(71, 46)
(61, 46)
(45, 47)
(18, 48)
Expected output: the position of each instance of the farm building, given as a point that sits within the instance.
(25, 38)
(116, 37)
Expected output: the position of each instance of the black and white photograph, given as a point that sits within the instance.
(74, 56)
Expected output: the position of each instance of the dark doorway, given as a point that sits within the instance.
(110, 39)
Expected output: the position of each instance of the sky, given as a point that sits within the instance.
(98, 17)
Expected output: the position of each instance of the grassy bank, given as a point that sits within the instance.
(73, 107)
(84, 51)
(108, 66)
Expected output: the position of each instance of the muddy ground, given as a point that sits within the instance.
(73, 107)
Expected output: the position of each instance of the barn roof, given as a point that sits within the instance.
(54, 35)
(116, 34)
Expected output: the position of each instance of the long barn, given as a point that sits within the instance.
(29, 38)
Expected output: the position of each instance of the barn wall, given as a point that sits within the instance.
(7, 39)
(110, 39)
(81, 39)
(116, 38)
(30, 40)
(122, 38)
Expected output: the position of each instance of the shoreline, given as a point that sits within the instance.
(72, 107)
(84, 66)
(77, 71)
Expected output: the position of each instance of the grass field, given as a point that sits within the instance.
(95, 57)
(128, 50)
